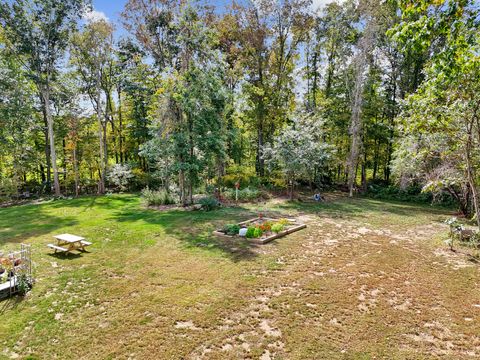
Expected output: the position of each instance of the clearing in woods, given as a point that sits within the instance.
(366, 279)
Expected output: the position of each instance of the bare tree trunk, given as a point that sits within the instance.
(260, 160)
(470, 172)
(47, 147)
(101, 163)
(120, 124)
(290, 185)
(355, 125)
(360, 66)
(181, 181)
(75, 169)
(53, 156)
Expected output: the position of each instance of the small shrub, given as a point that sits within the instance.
(157, 197)
(257, 233)
(231, 229)
(283, 222)
(246, 194)
(250, 232)
(266, 226)
(209, 203)
(24, 284)
(120, 176)
(276, 228)
(8, 188)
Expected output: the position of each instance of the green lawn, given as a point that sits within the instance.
(367, 279)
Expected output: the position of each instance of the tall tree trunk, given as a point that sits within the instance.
(75, 169)
(470, 172)
(330, 71)
(120, 124)
(101, 172)
(355, 126)
(191, 154)
(315, 80)
(64, 150)
(48, 162)
(53, 156)
(260, 160)
(181, 183)
(375, 159)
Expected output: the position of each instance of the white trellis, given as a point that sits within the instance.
(15, 264)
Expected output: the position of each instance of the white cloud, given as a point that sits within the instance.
(94, 15)
(319, 4)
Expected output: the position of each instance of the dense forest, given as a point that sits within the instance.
(358, 94)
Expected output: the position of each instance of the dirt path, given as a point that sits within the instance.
(346, 289)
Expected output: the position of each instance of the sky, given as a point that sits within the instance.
(111, 9)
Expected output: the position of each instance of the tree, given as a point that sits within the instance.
(188, 107)
(299, 151)
(269, 35)
(446, 105)
(37, 32)
(18, 123)
(91, 54)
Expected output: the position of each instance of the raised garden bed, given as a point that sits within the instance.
(261, 230)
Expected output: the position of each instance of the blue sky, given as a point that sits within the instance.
(111, 9)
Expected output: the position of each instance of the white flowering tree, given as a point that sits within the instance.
(120, 175)
(299, 150)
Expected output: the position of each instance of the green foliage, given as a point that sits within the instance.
(283, 221)
(209, 203)
(299, 150)
(244, 175)
(157, 197)
(257, 233)
(250, 232)
(276, 228)
(246, 194)
(231, 229)
(391, 192)
(24, 284)
(8, 188)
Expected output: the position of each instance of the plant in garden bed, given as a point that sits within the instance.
(257, 233)
(265, 226)
(250, 232)
(276, 228)
(283, 221)
(231, 229)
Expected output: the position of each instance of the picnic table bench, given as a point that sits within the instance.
(67, 243)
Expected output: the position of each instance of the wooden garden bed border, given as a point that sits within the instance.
(267, 239)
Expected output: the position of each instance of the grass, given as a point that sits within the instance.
(367, 279)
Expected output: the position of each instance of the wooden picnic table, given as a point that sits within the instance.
(67, 243)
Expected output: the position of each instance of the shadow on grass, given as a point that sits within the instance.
(21, 222)
(359, 207)
(10, 303)
(87, 202)
(194, 228)
(65, 256)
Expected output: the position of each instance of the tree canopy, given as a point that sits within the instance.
(269, 93)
